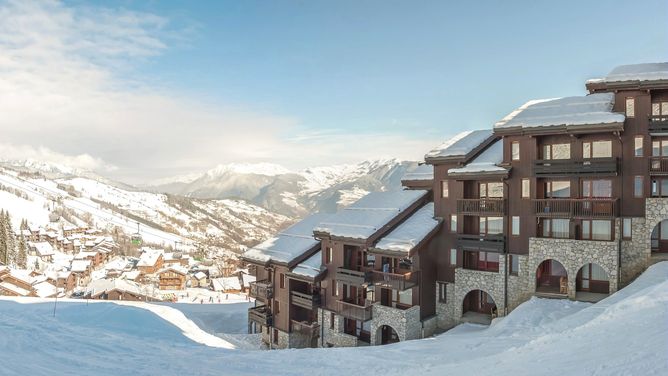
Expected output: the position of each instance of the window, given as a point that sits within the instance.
(491, 225)
(442, 292)
(329, 255)
(282, 280)
(557, 151)
(277, 307)
(491, 190)
(626, 228)
(444, 189)
(526, 188)
(558, 189)
(334, 288)
(516, 225)
(660, 148)
(331, 320)
(276, 336)
(659, 187)
(453, 223)
(637, 186)
(630, 107)
(484, 261)
(515, 149)
(597, 149)
(597, 188)
(659, 108)
(405, 297)
(638, 146)
(453, 257)
(593, 229)
(514, 265)
(556, 228)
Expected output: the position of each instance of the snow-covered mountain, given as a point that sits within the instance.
(293, 193)
(224, 225)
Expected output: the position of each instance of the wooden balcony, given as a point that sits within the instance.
(309, 329)
(658, 166)
(351, 277)
(308, 301)
(261, 315)
(576, 167)
(395, 281)
(482, 206)
(485, 243)
(576, 208)
(261, 290)
(353, 311)
(658, 125)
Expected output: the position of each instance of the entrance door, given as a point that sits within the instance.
(660, 237)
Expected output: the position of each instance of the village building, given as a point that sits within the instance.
(43, 250)
(120, 289)
(172, 278)
(230, 285)
(150, 261)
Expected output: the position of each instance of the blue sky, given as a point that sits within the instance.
(378, 78)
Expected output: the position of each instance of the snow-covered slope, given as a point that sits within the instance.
(164, 219)
(293, 193)
(625, 334)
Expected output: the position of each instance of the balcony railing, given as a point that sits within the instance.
(351, 277)
(308, 301)
(658, 165)
(658, 124)
(353, 311)
(574, 167)
(310, 329)
(481, 206)
(578, 208)
(261, 290)
(395, 281)
(486, 243)
(261, 315)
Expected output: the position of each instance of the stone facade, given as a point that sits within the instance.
(333, 335)
(518, 292)
(445, 311)
(490, 282)
(283, 338)
(406, 323)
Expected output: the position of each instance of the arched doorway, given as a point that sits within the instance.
(660, 237)
(551, 278)
(387, 335)
(592, 279)
(478, 307)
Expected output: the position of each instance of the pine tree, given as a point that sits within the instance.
(22, 254)
(11, 241)
(3, 238)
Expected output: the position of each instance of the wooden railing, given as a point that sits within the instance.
(308, 301)
(261, 315)
(579, 208)
(481, 206)
(262, 290)
(352, 277)
(658, 165)
(573, 167)
(395, 281)
(658, 124)
(353, 311)
(487, 243)
(311, 329)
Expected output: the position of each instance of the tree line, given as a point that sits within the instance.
(13, 249)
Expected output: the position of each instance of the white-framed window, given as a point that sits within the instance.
(630, 107)
(453, 257)
(638, 186)
(638, 149)
(445, 189)
(516, 225)
(515, 150)
(453, 223)
(526, 188)
(514, 265)
(626, 228)
(442, 292)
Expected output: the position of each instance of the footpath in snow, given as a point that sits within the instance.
(625, 334)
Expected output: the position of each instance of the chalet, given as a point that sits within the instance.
(82, 270)
(226, 284)
(43, 250)
(119, 289)
(172, 278)
(199, 279)
(17, 282)
(561, 198)
(150, 261)
(175, 258)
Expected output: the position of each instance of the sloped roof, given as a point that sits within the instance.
(459, 146)
(589, 110)
(409, 234)
(637, 72)
(421, 172)
(311, 267)
(369, 214)
(487, 162)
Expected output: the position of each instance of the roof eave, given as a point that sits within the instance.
(561, 129)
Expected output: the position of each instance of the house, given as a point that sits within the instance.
(16, 282)
(175, 258)
(562, 198)
(119, 289)
(199, 279)
(43, 250)
(132, 275)
(172, 278)
(150, 261)
(226, 284)
(82, 270)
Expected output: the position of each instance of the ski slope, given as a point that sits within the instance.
(625, 334)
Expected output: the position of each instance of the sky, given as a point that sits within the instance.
(141, 90)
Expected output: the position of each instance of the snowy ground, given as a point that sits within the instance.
(625, 334)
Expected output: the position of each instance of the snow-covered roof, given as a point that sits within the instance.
(42, 248)
(405, 237)
(593, 109)
(101, 285)
(131, 275)
(369, 214)
(22, 275)
(421, 172)
(289, 244)
(460, 145)
(310, 267)
(15, 289)
(226, 284)
(636, 72)
(149, 257)
(79, 266)
(486, 162)
(45, 290)
(200, 275)
(247, 279)
(176, 268)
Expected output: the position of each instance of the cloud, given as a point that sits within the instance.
(43, 154)
(67, 90)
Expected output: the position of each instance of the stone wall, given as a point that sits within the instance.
(518, 290)
(573, 255)
(445, 311)
(406, 323)
(334, 337)
(492, 283)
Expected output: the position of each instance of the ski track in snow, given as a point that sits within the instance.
(625, 334)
